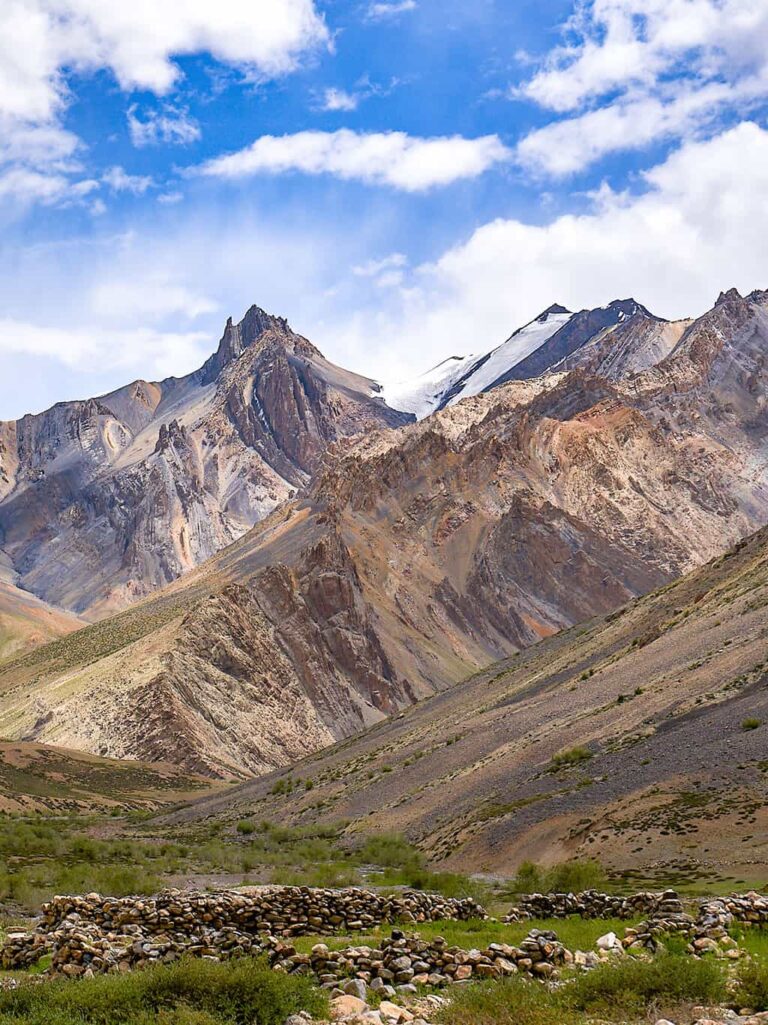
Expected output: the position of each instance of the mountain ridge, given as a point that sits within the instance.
(420, 554)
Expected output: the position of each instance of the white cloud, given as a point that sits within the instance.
(43, 41)
(371, 269)
(170, 125)
(653, 69)
(138, 42)
(390, 9)
(566, 146)
(120, 181)
(339, 99)
(699, 227)
(158, 353)
(148, 298)
(24, 185)
(379, 158)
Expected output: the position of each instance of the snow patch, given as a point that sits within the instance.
(424, 394)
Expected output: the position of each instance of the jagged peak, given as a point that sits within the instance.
(239, 337)
(732, 295)
(629, 307)
(551, 311)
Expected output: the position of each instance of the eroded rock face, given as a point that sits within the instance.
(414, 556)
(105, 500)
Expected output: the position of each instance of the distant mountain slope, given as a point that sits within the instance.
(638, 738)
(25, 621)
(555, 340)
(420, 555)
(104, 500)
(38, 778)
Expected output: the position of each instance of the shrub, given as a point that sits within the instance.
(513, 1001)
(575, 876)
(573, 756)
(329, 874)
(633, 986)
(190, 992)
(569, 876)
(245, 827)
(751, 723)
(753, 985)
(529, 878)
(390, 850)
(449, 884)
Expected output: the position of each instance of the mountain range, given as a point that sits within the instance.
(300, 553)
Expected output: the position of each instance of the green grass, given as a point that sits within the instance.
(514, 1001)
(190, 992)
(41, 856)
(567, 877)
(614, 991)
(752, 979)
(633, 986)
(753, 939)
(575, 933)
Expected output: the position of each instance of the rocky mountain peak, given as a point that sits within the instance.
(629, 308)
(550, 311)
(732, 295)
(239, 337)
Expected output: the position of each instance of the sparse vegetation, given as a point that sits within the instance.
(570, 757)
(627, 988)
(191, 992)
(632, 986)
(753, 983)
(569, 876)
(751, 723)
(514, 1001)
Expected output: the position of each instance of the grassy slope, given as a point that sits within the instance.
(26, 622)
(39, 778)
(656, 694)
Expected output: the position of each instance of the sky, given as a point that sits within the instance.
(404, 180)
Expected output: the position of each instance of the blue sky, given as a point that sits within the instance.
(403, 179)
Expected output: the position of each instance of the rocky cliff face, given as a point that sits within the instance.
(105, 500)
(417, 555)
(655, 693)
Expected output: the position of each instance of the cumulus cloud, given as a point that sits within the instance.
(698, 226)
(138, 42)
(372, 268)
(638, 71)
(24, 185)
(401, 161)
(42, 41)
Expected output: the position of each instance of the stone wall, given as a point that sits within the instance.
(280, 911)
(106, 933)
(410, 961)
(594, 904)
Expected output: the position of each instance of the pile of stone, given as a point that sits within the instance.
(281, 911)
(594, 904)
(648, 935)
(751, 908)
(401, 963)
(707, 933)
